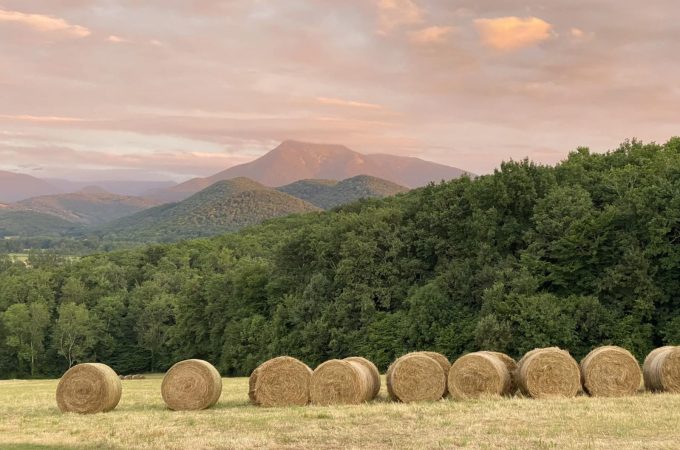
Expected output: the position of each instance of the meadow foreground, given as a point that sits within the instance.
(29, 419)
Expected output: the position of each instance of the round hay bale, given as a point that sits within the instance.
(338, 382)
(442, 360)
(610, 371)
(282, 381)
(375, 373)
(662, 370)
(511, 365)
(89, 388)
(191, 385)
(477, 375)
(416, 377)
(548, 372)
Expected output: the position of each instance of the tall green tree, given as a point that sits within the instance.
(26, 327)
(154, 326)
(75, 332)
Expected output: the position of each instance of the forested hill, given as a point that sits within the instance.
(88, 206)
(227, 205)
(577, 255)
(328, 194)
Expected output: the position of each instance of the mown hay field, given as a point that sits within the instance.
(30, 419)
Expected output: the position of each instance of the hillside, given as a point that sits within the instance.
(327, 194)
(575, 256)
(224, 206)
(293, 161)
(90, 206)
(18, 186)
(15, 222)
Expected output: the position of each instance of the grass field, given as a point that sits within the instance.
(22, 257)
(29, 419)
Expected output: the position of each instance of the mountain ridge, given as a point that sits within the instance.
(18, 222)
(19, 186)
(328, 194)
(225, 206)
(296, 160)
(89, 206)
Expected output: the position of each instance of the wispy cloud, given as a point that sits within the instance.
(431, 35)
(179, 162)
(117, 39)
(579, 35)
(40, 119)
(512, 33)
(347, 103)
(43, 23)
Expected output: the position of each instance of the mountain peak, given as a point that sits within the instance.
(294, 160)
(308, 148)
(234, 185)
(18, 186)
(306, 145)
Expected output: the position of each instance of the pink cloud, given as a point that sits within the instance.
(40, 119)
(512, 33)
(431, 35)
(64, 158)
(43, 23)
(347, 103)
(393, 14)
(243, 75)
(116, 39)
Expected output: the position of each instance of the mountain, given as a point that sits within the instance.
(127, 187)
(90, 206)
(327, 194)
(14, 222)
(222, 207)
(293, 160)
(19, 186)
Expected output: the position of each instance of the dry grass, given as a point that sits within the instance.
(29, 419)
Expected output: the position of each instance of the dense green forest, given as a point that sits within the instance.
(577, 255)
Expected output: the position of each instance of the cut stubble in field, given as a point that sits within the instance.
(29, 418)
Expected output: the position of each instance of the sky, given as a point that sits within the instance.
(171, 89)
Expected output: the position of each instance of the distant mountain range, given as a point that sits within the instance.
(133, 188)
(90, 206)
(293, 161)
(222, 207)
(240, 196)
(15, 187)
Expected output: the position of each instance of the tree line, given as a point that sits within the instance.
(577, 255)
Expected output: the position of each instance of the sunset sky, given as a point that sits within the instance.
(162, 89)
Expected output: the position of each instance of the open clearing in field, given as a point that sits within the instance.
(19, 257)
(29, 419)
